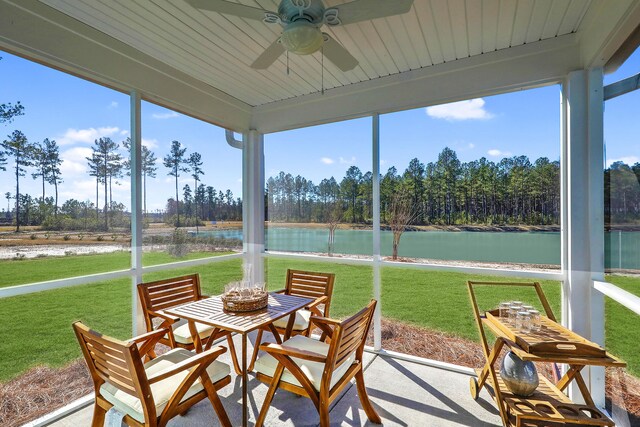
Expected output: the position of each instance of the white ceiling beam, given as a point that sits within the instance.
(606, 26)
(40, 33)
(501, 71)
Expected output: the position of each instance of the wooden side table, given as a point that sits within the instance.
(553, 343)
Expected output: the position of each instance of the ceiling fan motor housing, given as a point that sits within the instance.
(295, 10)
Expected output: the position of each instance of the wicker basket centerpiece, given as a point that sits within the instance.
(246, 299)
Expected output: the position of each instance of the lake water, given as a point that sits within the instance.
(622, 248)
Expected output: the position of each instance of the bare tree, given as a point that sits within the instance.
(401, 213)
(334, 216)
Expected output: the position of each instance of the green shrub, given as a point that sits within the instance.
(178, 247)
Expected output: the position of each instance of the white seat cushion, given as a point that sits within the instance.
(182, 334)
(313, 370)
(300, 324)
(162, 390)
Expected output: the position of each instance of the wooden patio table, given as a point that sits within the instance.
(210, 311)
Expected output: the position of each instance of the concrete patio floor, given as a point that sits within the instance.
(404, 394)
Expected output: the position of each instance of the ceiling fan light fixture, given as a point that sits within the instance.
(302, 38)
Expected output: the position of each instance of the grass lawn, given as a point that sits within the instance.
(52, 268)
(39, 330)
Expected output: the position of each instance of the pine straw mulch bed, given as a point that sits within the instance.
(42, 390)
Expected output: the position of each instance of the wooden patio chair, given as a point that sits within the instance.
(150, 394)
(162, 294)
(307, 284)
(317, 369)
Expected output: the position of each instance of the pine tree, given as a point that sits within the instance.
(18, 147)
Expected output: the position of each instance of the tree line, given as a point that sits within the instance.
(108, 166)
(446, 192)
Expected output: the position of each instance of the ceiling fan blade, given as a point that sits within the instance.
(364, 10)
(269, 56)
(230, 8)
(336, 53)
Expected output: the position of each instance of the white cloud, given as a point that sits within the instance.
(350, 161)
(471, 146)
(164, 116)
(74, 161)
(472, 109)
(74, 136)
(80, 190)
(327, 161)
(113, 105)
(628, 160)
(494, 152)
(150, 143)
(124, 132)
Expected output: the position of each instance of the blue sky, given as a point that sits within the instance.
(74, 112)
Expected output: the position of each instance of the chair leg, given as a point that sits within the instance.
(364, 399)
(98, 415)
(234, 356)
(323, 411)
(217, 403)
(275, 380)
(256, 349)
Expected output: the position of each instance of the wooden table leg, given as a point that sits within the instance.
(195, 336)
(245, 414)
(275, 333)
(484, 374)
(574, 374)
(568, 377)
(289, 330)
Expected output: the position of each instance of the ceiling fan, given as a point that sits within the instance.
(301, 22)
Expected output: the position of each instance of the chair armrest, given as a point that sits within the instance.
(280, 291)
(205, 357)
(313, 307)
(318, 301)
(157, 334)
(325, 324)
(161, 314)
(293, 352)
(149, 340)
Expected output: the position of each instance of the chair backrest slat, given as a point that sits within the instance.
(352, 334)
(167, 293)
(309, 284)
(109, 359)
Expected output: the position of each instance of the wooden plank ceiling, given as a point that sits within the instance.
(218, 49)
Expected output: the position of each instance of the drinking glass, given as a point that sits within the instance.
(504, 310)
(535, 320)
(514, 308)
(259, 288)
(523, 321)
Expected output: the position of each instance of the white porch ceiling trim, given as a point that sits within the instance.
(525, 66)
(42, 34)
(606, 27)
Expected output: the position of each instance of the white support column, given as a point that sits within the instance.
(584, 205)
(253, 203)
(596, 222)
(137, 219)
(377, 294)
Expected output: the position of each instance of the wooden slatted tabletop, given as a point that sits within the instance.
(210, 311)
